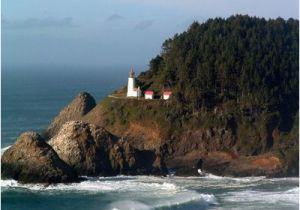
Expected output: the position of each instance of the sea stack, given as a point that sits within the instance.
(32, 160)
(80, 106)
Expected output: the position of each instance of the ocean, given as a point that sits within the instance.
(32, 96)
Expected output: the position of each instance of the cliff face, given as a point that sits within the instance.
(93, 151)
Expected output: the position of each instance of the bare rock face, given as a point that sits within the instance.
(209, 139)
(84, 147)
(221, 163)
(227, 164)
(126, 159)
(93, 151)
(80, 106)
(32, 160)
(261, 165)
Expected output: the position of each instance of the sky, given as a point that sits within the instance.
(110, 32)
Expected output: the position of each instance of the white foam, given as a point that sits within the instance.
(211, 176)
(96, 186)
(153, 192)
(128, 205)
(242, 179)
(293, 190)
(4, 149)
(210, 181)
(186, 197)
(9, 183)
(290, 196)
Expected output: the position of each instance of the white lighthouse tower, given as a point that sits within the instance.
(132, 91)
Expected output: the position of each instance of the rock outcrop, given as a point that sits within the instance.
(80, 106)
(226, 164)
(84, 147)
(32, 160)
(262, 165)
(93, 151)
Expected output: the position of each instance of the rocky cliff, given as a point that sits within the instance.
(93, 151)
(211, 141)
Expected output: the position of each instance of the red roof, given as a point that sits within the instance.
(167, 93)
(149, 92)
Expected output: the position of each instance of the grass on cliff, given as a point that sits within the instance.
(123, 111)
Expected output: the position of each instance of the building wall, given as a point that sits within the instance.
(139, 93)
(148, 96)
(130, 88)
(132, 93)
(166, 97)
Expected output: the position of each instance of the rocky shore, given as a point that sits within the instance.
(79, 149)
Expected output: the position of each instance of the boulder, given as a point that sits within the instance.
(93, 151)
(84, 147)
(80, 106)
(32, 160)
(228, 164)
(261, 165)
(186, 165)
(217, 162)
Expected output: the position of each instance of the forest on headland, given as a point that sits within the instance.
(251, 61)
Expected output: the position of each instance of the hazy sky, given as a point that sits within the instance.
(110, 32)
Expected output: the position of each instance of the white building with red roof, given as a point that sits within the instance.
(167, 94)
(149, 94)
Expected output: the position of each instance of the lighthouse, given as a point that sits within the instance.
(132, 91)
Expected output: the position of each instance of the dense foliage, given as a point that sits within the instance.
(249, 60)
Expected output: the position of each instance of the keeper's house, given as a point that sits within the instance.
(167, 95)
(149, 94)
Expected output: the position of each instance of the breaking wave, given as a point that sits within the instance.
(290, 196)
(143, 188)
(202, 200)
(96, 185)
(150, 192)
(243, 179)
(128, 204)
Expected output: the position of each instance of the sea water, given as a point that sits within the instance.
(149, 192)
(31, 97)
